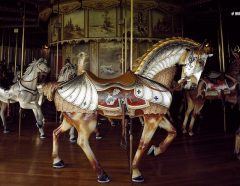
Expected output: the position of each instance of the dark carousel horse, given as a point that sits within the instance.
(213, 86)
(141, 94)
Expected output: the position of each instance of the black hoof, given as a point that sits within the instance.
(6, 131)
(58, 165)
(151, 151)
(42, 136)
(103, 178)
(73, 140)
(138, 179)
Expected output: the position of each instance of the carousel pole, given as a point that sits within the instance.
(131, 62)
(222, 61)
(125, 37)
(57, 59)
(22, 61)
(2, 46)
(16, 50)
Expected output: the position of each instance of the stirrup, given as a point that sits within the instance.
(138, 179)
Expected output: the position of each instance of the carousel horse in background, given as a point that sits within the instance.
(214, 85)
(143, 93)
(68, 72)
(235, 68)
(25, 91)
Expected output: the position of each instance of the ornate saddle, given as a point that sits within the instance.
(216, 84)
(125, 80)
(88, 92)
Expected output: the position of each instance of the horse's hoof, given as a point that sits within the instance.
(98, 137)
(42, 136)
(238, 156)
(58, 165)
(73, 140)
(190, 133)
(138, 179)
(6, 131)
(103, 178)
(184, 131)
(151, 151)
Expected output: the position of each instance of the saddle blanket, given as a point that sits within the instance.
(112, 99)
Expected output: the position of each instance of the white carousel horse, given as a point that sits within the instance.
(142, 94)
(25, 91)
(214, 86)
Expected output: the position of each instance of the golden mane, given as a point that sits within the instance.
(139, 63)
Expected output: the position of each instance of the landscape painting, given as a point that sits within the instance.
(102, 23)
(73, 25)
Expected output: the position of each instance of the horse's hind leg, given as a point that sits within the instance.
(165, 124)
(86, 126)
(150, 125)
(195, 114)
(237, 143)
(57, 162)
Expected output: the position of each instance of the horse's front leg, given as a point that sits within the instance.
(37, 113)
(165, 124)
(190, 107)
(57, 162)
(195, 114)
(150, 125)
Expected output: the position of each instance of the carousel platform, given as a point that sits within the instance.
(205, 159)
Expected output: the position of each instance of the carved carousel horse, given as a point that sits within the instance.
(68, 72)
(143, 93)
(215, 85)
(25, 91)
(235, 68)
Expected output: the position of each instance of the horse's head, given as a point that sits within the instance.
(67, 72)
(193, 61)
(42, 66)
(236, 53)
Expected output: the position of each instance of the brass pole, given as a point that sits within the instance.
(16, 50)
(23, 35)
(8, 51)
(131, 61)
(2, 46)
(22, 59)
(125, 35)
(222, 42)
(131, 36)
(223, 63)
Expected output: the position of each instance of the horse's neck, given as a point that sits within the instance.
(30, 80)
(80, 65)
(159, 63)
(166, 76)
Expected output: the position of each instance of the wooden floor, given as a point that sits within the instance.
(205, 159)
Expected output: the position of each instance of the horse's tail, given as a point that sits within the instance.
(49, 90)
